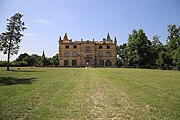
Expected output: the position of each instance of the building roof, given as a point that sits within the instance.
(104, 41)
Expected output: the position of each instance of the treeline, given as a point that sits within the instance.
(32, 60)
(138, 52)
(143, 53)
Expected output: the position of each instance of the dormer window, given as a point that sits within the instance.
(67, 46)
(74, 46)
(108, 47)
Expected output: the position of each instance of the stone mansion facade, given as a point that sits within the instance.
(87, 53)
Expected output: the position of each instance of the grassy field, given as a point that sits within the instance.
(92, 93)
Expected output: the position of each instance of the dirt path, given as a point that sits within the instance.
(108, 101)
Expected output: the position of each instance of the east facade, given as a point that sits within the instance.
(87, 53)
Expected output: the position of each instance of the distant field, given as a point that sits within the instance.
(92, 93)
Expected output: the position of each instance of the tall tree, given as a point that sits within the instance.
(44, 59)
(21, 57)
(173, 41)
(38, 59)
(30, 60)
(138, 49)
(131, 48)
(156, 48)
(55, 60)
(122, 55)
(173, 44)
(10, 39)
(164, 59)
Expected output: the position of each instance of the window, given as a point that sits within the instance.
(108, 54)
(74, 54)
(100, 54)
(67, 54)
(101, 63)
(74, 63)
(74, 46)
(100, 47)
(66, 63)
(108, 47)
(67, 47)
(108, 63)
(88, 49)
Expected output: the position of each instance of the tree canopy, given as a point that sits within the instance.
(141, 52)
(138, 49)
(10, 39)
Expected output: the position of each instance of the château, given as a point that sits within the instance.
(87, 53)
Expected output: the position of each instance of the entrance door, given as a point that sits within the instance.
(74, 63)
(66, 63)
(101, 63)
(88, 63)
(108, 63)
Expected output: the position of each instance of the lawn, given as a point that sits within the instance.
(92, 93)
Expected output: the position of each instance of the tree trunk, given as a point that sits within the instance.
(8, 60)
(9, 50)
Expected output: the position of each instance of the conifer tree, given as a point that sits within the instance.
(10, 39)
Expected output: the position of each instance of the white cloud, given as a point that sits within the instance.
(2, 56)
(44, 21)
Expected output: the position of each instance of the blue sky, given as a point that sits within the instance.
(46, 20)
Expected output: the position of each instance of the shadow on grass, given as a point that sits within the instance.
(13, 80)
(25, 71)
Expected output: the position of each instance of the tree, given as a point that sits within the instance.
(131, 49)
(164, 60)
(156, 48)
(55, 59)
(2, 63)
(138, 49)
(176, 57)
(122, 60)
(20, 60)
(44, 59)
(30, 60)
(21, 57)
(38, 59)
(173, 41)
(10, 39)
(173, 44)
(119, 62)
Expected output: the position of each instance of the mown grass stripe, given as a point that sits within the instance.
(80, 93)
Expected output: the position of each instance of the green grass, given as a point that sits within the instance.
(92, 93)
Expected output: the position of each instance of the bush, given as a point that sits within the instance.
(19, 64)
(3, 63)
